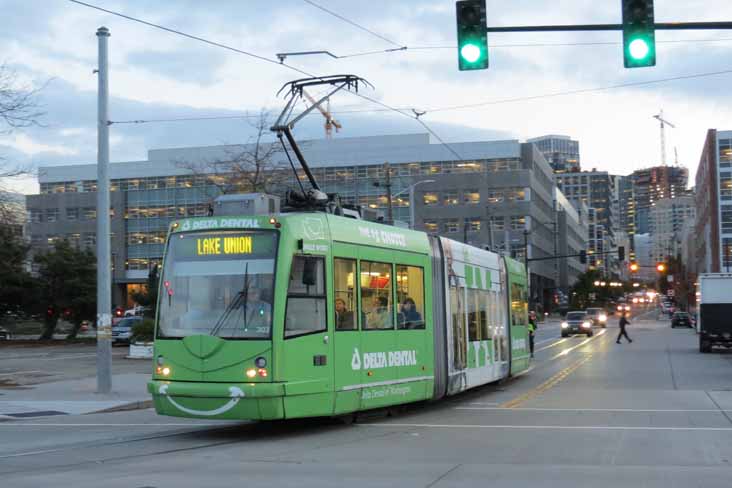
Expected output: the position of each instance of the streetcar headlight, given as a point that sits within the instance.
(163, 370)
(565, 325)
(603, 318)
(260, 362)
(586, 325)
(251, 373)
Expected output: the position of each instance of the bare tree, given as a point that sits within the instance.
(18, 108)
(258, 166)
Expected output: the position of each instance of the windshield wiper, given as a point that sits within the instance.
(242, 294)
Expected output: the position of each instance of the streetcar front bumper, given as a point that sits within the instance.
(224, 401)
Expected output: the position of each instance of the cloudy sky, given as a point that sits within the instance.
(160, 75)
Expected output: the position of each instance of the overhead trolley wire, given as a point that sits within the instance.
(358, 26)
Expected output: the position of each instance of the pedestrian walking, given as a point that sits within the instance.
(532, 329)
(623, 322)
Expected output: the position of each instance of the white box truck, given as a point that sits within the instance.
(715, 311)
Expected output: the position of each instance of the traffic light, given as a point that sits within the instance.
(639, 35)
(583, 257)
(471, 35)
(660, 267)
(621, 253)
(634, 267)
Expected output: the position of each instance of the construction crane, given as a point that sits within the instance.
(663, 123)
(330, 122)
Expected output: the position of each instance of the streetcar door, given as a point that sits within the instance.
(307, 344)
(346, 334)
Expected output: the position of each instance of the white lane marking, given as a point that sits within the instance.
(20, 372)
(631, 410)
(483, 403)
(552, 345)
(545, 341)
(570, 349)
(547, 427)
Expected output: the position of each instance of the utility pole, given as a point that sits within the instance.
(104, 284)
(390, 209)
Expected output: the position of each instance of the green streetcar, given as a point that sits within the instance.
(313, 314)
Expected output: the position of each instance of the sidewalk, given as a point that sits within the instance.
(75, 397)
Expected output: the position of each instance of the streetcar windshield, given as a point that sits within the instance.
(218, 283)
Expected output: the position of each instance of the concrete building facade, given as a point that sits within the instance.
(504, 183)
(713, 200)
(667, 218)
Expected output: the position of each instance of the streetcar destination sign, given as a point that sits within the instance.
(224, 245)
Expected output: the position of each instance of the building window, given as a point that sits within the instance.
(494, 196)
(450, 198)
(518, 222)
(471, 197)
(51, 214)
(90, 213)
(498, 223)
(89, 186)
(515, 194)
(52, 239)
(90, 240)
(74, 239)
(37, 240)
(72, 213)
(472, 224)
(431, 199)
(452, 225)
(726, 219)
(36, 216)
(431, 226)
(725, 186)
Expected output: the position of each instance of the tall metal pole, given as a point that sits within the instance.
(390, 208)
(411, 206)
(104, 283)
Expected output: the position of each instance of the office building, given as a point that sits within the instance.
(667, 218)
(561, 152)
(506, 183)
(653, 184)
(713, 200)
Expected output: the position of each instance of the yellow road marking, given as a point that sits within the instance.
(551, 382)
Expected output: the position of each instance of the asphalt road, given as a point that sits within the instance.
(30, 364)
(591, 413)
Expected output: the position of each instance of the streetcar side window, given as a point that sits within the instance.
(410, 295)
(345, 294)
(306, 310)
(376, 296)
(473, 319)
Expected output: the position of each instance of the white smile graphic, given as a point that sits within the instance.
(234, 392)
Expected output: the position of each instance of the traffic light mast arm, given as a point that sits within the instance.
(612, 27)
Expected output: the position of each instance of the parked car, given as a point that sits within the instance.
(577, 323)
(681, 319)
(597, 316)
(122, 330)
(5, 334)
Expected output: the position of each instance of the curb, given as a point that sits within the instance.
(138, 405)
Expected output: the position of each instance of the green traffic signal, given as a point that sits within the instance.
(639, 35)
(471, 35)
(638, 49)
(471, 53)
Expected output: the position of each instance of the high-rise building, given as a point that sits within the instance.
(561, 152)
(626, 210)
(713, 233)
(667, 219)
(653, 184)
(595, 189)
